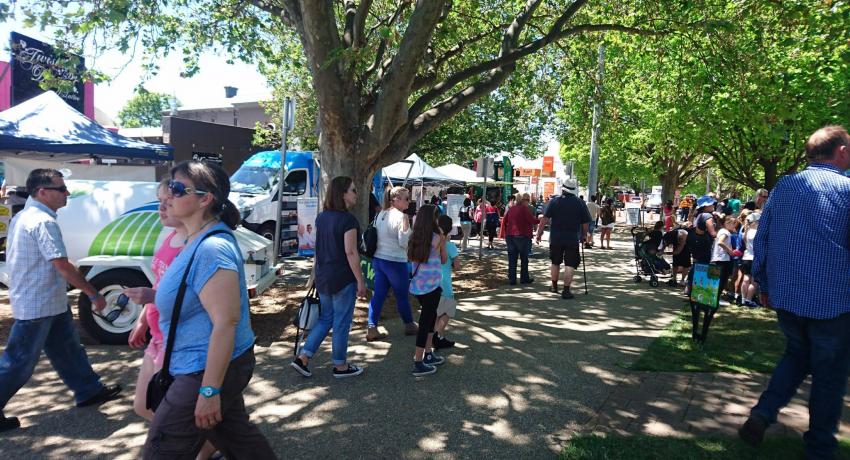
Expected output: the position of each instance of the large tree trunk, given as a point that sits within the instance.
(344, 162)
(669, 183)
(770, 173)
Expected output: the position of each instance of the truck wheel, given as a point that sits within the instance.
(110, 284)
(267, 231)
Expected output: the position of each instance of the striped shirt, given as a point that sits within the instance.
(802, 248)
(36, 289)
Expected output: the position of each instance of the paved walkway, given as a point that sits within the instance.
(530, 370)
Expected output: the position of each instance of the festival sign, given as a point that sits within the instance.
(507, 189)
(33, 61)
(454, 203)
(548, 166)
(704, 298)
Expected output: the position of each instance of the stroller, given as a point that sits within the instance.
(646, 263)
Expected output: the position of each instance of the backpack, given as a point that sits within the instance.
(369, 243)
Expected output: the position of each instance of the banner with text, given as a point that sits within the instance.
(33, 61)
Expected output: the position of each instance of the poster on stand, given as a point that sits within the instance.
(705, 288)
(454, 203)
(5, 218)
(307, 210)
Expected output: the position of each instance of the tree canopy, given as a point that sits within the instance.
(144, 109)
(384, 73)
(740, 95)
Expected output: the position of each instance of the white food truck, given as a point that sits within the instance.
(111, 230)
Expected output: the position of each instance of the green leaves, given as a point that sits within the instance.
(144, 109)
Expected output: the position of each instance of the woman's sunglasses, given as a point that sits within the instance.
(179, 189)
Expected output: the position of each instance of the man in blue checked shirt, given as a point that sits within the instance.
(802, 263)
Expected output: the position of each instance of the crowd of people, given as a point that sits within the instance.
(199, 358)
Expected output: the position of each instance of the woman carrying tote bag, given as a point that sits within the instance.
(337, 278)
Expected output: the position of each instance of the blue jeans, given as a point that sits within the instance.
(518, 246)
(59, 339)
(395, 274)
(820, 348)
(337, 311)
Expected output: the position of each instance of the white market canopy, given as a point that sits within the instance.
(420, 172)
(458, 172)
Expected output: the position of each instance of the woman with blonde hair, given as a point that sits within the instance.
(390, 262)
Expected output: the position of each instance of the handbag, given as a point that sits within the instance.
(161, 381)
(370, 238)
(310, 310)
(307, 316)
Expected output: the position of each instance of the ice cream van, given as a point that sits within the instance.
(111, 230)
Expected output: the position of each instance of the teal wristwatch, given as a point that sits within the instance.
(208, 391)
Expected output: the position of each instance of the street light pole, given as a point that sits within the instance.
(594, 134)
(287, 118)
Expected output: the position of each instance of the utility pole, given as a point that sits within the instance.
(486, 162)
(594, 134)
(287, 120)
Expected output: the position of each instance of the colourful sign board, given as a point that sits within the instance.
(507, 189)
(705, 288)
(548, 166)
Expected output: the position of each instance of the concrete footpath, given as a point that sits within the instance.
(529, 371)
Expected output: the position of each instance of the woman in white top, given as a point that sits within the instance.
(722, 251)
(465, 215)
(390, 262)
(748, 285)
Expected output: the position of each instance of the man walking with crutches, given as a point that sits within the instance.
(569, 221)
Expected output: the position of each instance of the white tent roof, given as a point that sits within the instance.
(459, 173)
(421, 171)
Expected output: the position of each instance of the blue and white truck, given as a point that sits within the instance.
(254, 190)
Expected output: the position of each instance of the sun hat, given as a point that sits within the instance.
(754, 217)
(569, 186)
(705, 200)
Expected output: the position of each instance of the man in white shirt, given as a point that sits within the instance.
(40, 272)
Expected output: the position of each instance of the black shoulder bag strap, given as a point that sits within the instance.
(178, 303)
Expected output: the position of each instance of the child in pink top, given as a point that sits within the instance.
(149, 319)
(161, 260)
(426, 250)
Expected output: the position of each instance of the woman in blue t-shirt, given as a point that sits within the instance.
(212, 359)
(338, 278)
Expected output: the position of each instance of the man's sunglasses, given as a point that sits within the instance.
(110, 317)
(179, 189)
(61, 188)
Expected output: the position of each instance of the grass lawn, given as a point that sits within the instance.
(652, 447)
(740, 340)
